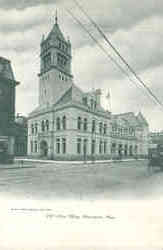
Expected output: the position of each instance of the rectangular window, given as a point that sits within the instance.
(32, 129)
(93, 126)
(85, 146)
(35, 146)
(63, 145)
(93, 147)
(105, 147)
(100, 147)
(85, 124)
(58, 146)
(85, 101)
(105, 129)
(79, 146)
(31, 146)
(100, 127)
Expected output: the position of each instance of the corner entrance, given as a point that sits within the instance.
(44, 149)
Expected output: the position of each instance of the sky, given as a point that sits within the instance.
(134, 29)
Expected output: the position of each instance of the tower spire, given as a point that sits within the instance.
(56, 17)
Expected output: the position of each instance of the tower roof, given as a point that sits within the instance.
(6, 70)
(56, 32)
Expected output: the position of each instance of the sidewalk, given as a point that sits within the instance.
(14, 166)
(73, 162)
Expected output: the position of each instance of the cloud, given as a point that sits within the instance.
(113, 15)
(20, 21)
(133, 28)
(23, 4)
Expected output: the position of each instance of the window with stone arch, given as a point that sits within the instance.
(43, 126)
(32, 128)
(79, 141)
(79, 123)
(58, 123)
(93, 126)
(36, 128)
(64, 122)
(105, 129)
(100, 127)
(47, 125)
(85, 124)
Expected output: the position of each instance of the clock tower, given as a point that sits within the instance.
(55, 66)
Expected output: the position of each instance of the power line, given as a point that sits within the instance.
(104, 50)
(119, 55)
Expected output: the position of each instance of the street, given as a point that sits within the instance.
(120, 180)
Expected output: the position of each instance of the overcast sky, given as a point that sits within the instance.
(135, 30)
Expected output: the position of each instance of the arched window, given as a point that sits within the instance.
(79, 145)
(136, 149)
(43, 126)
(120, 149)
(47, 125)
(105, 147)
(126, 150)
(105, 129)
(58, 123)
(85, 124)
(100, 127)
(36, 128)
(64, 145)
(113, 148)
(100, 147)
(35, 143)
(64, 122)
(85, 146)
(130, 150)
(58, 146)
(93, 147)
(93, 126)
(92, 104)
(31, 146)
(32, 129)
(79, 122)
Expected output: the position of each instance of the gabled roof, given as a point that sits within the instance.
(74, 93)
(132, 119)
(71, 96)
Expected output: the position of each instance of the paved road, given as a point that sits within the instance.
(123, 180)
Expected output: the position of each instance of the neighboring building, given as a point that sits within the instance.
(7, 109)
(20, 147)
(129, 135)
(156, 137)
(68, 123)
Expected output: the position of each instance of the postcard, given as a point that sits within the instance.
(81, 125)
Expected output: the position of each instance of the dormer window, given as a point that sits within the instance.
(85, 100)
(92, 104)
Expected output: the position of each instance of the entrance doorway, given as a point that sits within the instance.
(44, 149)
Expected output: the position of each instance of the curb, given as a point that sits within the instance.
(75, 162)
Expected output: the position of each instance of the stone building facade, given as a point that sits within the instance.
(7, 110)
(69, 123)
(20, 146)
(129, 135)
(156, 137)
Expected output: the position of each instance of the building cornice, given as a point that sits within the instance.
(55, 67)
